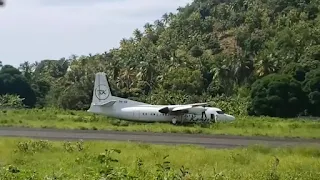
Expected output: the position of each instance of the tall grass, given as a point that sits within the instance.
(36, 159)
(248, 126)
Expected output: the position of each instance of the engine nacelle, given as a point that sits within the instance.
(164, 110)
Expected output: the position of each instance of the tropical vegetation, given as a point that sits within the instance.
(261, 56)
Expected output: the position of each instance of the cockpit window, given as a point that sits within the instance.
(220, 112)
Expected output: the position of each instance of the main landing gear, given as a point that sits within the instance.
(174, 120)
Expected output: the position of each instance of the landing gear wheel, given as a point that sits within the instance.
(174, 121)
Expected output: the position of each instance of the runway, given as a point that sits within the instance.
(209, 141)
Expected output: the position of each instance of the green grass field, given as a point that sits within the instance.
(247, 126)
(35, 159)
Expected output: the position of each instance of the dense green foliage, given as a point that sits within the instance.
(277, 95)
(211, 50)
(312, 87)
(13, 82)
(101, 160)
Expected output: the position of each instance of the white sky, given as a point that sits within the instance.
(33, 30)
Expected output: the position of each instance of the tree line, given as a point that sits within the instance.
(261, 57)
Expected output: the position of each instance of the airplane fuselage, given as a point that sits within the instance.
(103, 102)
(150, 113)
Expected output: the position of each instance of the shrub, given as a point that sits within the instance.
(276, 95)
(11, 101)
(233, 105)
(311, 87)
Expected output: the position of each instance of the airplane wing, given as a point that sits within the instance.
(198, 104)
(183, 108)
(180, 108)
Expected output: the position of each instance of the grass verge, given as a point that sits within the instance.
(246, 126)
(36, 159)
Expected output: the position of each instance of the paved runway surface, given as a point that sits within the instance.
(210, 141)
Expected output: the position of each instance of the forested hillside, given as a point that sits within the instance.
(260, 55)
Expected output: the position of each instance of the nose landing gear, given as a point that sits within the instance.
(174, 121)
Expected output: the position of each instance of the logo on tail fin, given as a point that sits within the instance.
(102, 92)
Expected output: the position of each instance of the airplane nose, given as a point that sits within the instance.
(230, 117)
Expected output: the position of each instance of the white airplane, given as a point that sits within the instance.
(103, 102)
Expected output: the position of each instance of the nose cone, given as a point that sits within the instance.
(230, 117)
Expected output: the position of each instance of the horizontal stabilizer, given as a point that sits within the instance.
(106, 104)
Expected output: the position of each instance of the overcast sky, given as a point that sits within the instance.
(33, 30)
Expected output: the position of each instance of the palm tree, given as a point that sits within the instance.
(148, 28)
(266, 65)
(165, 18)
(137, 35)
(26, 69)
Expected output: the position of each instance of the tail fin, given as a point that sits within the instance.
(101, 91)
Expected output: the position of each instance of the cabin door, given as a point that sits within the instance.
(136, 115)
(213, 118)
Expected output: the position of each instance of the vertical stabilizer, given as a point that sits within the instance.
(101, 91)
